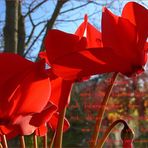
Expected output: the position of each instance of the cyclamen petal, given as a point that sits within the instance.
(81, 30)
(135, 14)
(54, 121)
(41, 131)
(123, 37)
(60, 91)
(92, 35)
(9, 130)
(44, 115)
(59, 44)
(28, 92)
(116, 51)
(138, 15)
(120, 35)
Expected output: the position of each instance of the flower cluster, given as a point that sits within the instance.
(32, 96)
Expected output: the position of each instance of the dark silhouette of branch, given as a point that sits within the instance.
(33, 25)
(32, 32)
(34, 8)
(71, 9)
(33, 29)
(74, 20)
(54, 16)
(107, 4)
(35, 40)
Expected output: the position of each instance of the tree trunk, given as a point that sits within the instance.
(21, 32)
(11, 26)
(51, 22)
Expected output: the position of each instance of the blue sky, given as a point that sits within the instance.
(115, 7)
(46, 10)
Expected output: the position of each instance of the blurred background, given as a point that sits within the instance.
(24, 34)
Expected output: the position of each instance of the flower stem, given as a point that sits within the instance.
(35, 141)
(45, 141)
(1, 145)
(22, 142)
(101, 112)
(52, 141)
(59, 132)
(4, 141)
(108, 131)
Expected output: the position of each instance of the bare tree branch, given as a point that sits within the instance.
(34, 8)
(71, 9)
(74, 20)
(33, 29)
(30, 36)
(31, 20)
(35, 40)
(107, 4)
(54, 16)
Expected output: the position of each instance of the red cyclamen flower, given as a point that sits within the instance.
(73, 57)
(25, 91)
(126, 36)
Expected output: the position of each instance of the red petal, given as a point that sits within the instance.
(119, 34)
(12, 72)
(54, 121)
(127, 144)
(82, 28)
(23, 125)
(138, 15)
(92, 34)
(38, 94)
(33, 93)
(60, 91)
(94, 39)
(44, 115)
(10, 131)
(43, 55)
(79, 64)
(41, 131)
(58, 44)
(28, 90)
(146, 47)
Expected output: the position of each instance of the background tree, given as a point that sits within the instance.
(24, 23)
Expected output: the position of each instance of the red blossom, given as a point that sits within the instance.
(92, 34)
(34, 92)
(72, 56)
(25, 91)
(52, 123)
(126, 36)
(75, 56)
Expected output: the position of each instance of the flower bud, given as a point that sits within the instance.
(127, 136)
